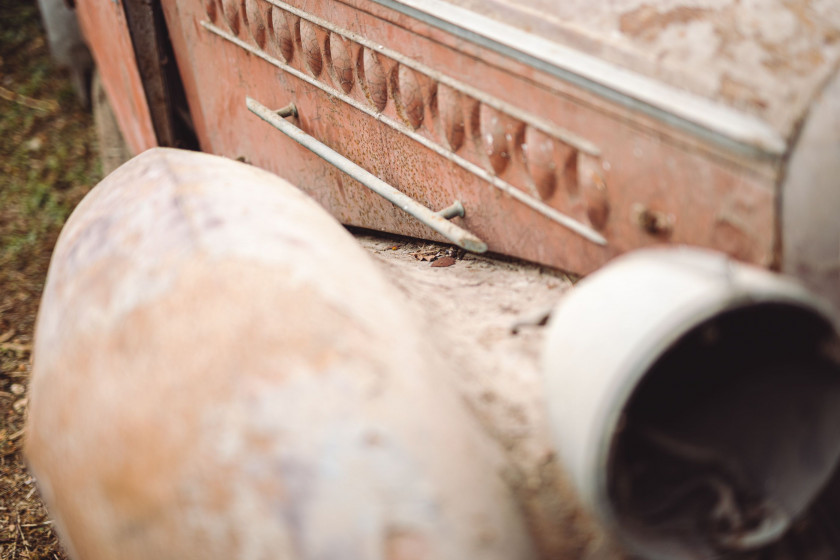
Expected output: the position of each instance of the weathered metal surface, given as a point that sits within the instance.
(220, 372)
(106, 31)
(436, 221)
(494, 144)
(766, 58)
(811, 200)
(415, 106)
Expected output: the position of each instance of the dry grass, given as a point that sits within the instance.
(48, 162)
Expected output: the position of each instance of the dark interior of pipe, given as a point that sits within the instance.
(728, 443)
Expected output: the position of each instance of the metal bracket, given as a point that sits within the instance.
(438, 221)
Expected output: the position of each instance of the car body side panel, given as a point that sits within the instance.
(106, 31)
(440, 123)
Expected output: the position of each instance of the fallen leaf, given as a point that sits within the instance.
(17, 389)
(7, 335)
(426, 255)
(444, 261)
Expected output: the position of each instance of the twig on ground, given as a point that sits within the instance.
(22, 536)
(47, 522)
(49, 106)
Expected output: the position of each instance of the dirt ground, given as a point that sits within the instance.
(48, 161)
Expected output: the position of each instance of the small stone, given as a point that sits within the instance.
(17, 389)
(34, 144)
(20, 405)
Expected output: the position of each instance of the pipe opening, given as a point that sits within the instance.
(730, 436)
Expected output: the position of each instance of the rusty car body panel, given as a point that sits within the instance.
(440, 125)
(106, 31)
(622, 121)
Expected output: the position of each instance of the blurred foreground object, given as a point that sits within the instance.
(220, 371)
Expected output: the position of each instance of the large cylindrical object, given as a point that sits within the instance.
(695, 401)
(220, 371)
(810, 199)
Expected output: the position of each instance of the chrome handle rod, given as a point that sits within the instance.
(436, 221)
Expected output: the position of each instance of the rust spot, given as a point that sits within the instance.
(739, 93)
(282, 34)
(646, 22)
(406, 545)
(255, 21)
(443, 262)
(473, 111)
(493, 138)
(211, 10)
(373, 78)
(451, 114)
(311, 49)
(809, 60)
(653, 222)
(339, 61)
(539, 157)
(408, 96)
(230, 10)
(593, 189)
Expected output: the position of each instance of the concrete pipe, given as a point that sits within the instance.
(220, 372)
(694, 401)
